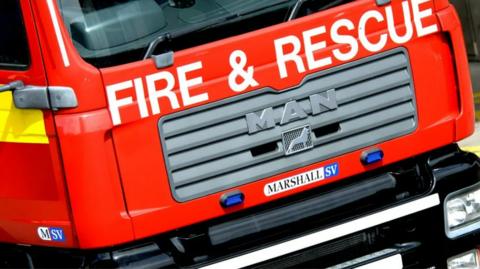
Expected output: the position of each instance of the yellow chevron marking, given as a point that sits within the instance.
(20, 125)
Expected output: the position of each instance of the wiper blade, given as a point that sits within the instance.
(293, 14)
(167, 37)
(298, 5)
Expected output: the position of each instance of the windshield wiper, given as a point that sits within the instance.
(293, 14)
(298, 5)
(168, 37)
(154, 43)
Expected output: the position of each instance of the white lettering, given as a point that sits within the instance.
(344, 39)
(283, 58)
(155, 94)
(293, 54)
(419, 15)
(408, 24)
(362, 31)
(114, 104)
(139, 91)
(311, 48)
(185, 84)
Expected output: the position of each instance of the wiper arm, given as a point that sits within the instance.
(154, 43)
(293, 14)
(298, 5)
(168, 37)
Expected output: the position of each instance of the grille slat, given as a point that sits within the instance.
(243, 142)
(229, 111)
(209, 149)
(243, 159)
(253, 173)
(239, 126)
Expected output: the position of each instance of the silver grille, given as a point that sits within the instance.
(208, 149)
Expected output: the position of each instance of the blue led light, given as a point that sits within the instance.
(371, 156)
(232, 199)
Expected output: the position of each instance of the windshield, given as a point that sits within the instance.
(108, 33)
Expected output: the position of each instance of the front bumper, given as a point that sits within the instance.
(293, 249)
(410, 229)
(393, 215)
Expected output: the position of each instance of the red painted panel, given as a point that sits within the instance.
(32, 189)
(94, 185)
(25, 179)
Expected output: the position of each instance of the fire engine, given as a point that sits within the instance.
(239, 133)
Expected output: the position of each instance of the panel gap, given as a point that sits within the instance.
(326, 130)
(264, 149)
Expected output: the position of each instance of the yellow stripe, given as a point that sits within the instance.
(476, 97)
(20, 125)
(473, 149)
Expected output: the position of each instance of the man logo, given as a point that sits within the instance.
(292, 111)
(297, 140)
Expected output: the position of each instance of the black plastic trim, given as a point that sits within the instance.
(257, 223)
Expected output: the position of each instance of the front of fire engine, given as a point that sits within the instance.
(266, 134)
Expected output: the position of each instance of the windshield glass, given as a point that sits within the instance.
(108, 33)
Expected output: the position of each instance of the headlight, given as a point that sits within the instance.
(462, 211)
(467, 260)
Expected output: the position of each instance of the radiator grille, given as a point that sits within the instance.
(209, 149)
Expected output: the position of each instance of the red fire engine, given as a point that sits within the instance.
(227, 134)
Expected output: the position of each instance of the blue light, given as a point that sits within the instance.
(232, 199)
(372, 156)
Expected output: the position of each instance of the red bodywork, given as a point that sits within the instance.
(107, 185)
